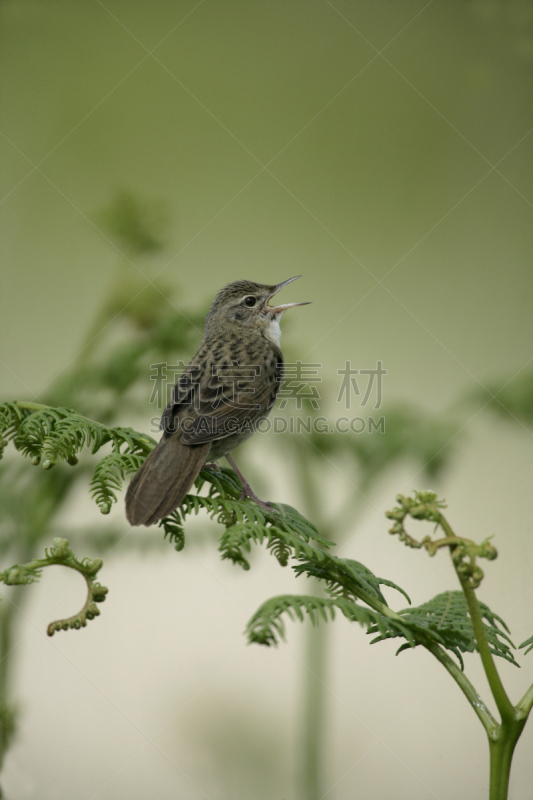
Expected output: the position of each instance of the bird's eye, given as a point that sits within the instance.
(250, 301)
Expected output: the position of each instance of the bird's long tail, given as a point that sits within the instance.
(163, 480)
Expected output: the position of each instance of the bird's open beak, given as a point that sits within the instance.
(280, 309)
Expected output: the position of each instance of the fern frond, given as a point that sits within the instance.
(445, 619)
(109, 475)
(59, 434)
(223, 481)
(345, 577)
(282, 542)
(52, 435)
(11, 417)
(528, 644)
(285, 531)
(173, 529)
(60, 553)
(283, 528)
(267, 625)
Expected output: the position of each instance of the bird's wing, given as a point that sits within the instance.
(183, 396)
(229, 399)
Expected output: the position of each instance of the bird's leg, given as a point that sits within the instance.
(247, 490)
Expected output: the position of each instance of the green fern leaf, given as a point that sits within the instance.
(173, 530)
(445, 619)
(527, 644)
(109, 475)
(52, 435)
(223, 481)
(135, 442)
(343, 576)
(267, 625)
(282, 540)
(11, 417)
(283, 528)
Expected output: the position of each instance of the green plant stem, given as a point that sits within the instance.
(483, 713)
(501, 748)
(502, 738)
(526, 703)
(7, 721)
(502, 741)
(29, 406)
(313, 717)
(487, 720)
(42, 505)
(7, 621)
(313, 727)
(504, 705)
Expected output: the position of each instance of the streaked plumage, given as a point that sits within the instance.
(229, 386)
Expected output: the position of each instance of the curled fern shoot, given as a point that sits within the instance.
(464, 552)
(61, 554)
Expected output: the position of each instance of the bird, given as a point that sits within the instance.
(226, 391)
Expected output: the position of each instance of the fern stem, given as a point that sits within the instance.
(312, 725)
(526, 703)
(483, 713)
(487, 720)
(504, 737)
(7, 712)
(502, 740)
(7, 622)
(501, 748)
(504, 705)
(312, 728)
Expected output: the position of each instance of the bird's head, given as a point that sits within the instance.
(246, 304)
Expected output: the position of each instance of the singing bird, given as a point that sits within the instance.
(225, 392)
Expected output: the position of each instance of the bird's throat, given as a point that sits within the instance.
(273, 330)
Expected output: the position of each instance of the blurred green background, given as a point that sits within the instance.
(383, 151)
